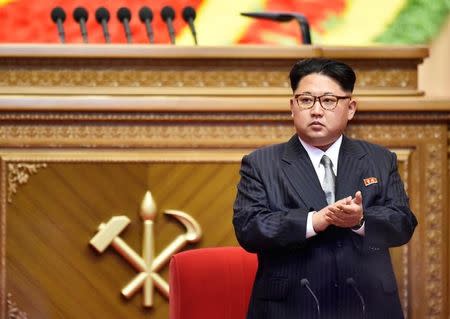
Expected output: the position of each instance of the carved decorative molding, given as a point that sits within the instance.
(19, 174)
(395, 117)
(433, 219)
(385, 132)
(214, 72)
(392, 79)
(143, 78)
(176, 135)
(435, 209)
(404, 157)
(448, 143)
(141, 116)
(184, 135)
(127, 156)
(13, 311)
(211, 117)
(387, 79)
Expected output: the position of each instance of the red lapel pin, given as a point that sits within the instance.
(370, 181)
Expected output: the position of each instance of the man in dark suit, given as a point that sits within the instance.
(322, 210)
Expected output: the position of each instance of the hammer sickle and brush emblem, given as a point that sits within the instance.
(147, 265)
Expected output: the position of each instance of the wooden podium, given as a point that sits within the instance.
(87, 130)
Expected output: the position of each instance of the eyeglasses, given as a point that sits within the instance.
(327, 101)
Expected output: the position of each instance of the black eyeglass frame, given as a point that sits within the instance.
(338, 98)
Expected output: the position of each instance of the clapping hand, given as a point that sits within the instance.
(346, 212)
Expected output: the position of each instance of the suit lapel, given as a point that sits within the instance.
(350, 168)
(300, 172)
(302, 177)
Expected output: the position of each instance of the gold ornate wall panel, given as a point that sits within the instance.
(50, 268)
(85, 134)
(425, 175)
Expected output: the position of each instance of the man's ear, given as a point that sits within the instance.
(351, 109)
(291, 103)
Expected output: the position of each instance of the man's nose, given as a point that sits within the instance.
(317, 108)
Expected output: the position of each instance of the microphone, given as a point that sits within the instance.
(81, 16)
(102, 17)
(189, 16)
(168, 15)
(146, 17)
(285, 17)
(124, 16)
(351, 282)
(59, 16)
(305, 283)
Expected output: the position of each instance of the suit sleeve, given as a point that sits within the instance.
(393, 223)
(257, 227)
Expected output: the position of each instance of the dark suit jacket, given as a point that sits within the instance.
(278, 188)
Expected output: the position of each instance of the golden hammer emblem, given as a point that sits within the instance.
(147, 265)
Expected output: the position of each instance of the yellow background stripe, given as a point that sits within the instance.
(219, 22)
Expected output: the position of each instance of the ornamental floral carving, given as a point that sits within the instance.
(19, 174)
(13, 311)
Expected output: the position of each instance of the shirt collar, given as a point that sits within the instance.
(315, 154)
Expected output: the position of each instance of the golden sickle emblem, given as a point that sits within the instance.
(147, 265)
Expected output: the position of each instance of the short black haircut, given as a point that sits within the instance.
(338, 71)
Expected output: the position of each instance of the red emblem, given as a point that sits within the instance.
(370, 181)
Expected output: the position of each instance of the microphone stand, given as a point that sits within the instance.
(351, 282)
(62, 35)
(105, 31)
(285, 17)
(59, 16)
(305, 283)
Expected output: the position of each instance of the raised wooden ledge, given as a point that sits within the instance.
(207, 104)
(201, 52)
(162, 70)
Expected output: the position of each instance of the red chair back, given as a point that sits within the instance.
(211, 283)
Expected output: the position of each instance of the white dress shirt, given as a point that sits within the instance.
(315, 154)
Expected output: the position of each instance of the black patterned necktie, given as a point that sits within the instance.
(329, 179)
